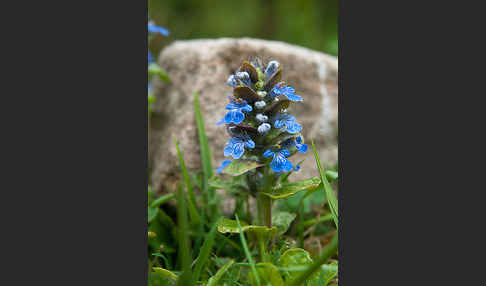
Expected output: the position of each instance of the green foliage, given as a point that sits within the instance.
(199, 247)
(331, 198)
(239, 167)
(184, 246)
(214, 280)
(283, 20)
(282, 221)
(283, 191)
(268, 273)
(154, 69)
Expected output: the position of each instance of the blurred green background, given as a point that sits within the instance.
(309, 23)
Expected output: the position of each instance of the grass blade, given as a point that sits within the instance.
(326, 254)
(331, 198)
(213, 281)
(206, 156)
(162, 200)
(247, 252)
(192, 199)
(205, 251)
(184, 247)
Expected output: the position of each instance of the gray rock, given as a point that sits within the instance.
(203, 66)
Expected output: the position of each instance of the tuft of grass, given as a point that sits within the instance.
(192, 198)
(247, 252)
(205, 251)
(331, 198)
(184, 247)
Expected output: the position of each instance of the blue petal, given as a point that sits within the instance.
(276, 165)
(301, 147)
(250, 144)
(246, 108)
(157, 29)
(238, 117)
(268, 153)
(299, 140)
(285, 152)
(287, 165)
(294, 97)
(278, 124)
(238, 150)
(228, 149)
(293, 127)
(223, 165)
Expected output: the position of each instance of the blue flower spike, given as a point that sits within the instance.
(235, 147)
(261, 122)
(279, 162)
(224, 164)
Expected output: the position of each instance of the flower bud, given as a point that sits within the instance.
(264, 128)
(260, 104)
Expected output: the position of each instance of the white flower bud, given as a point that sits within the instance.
(260, 104)
(262, 118)
(264, 128)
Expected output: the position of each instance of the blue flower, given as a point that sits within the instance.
(235, 114)
(286, 90)
(299, 146)
(236, 146)
(152, 28)
(287, 121)
(297, 142)
(223, 165)
(279, 162)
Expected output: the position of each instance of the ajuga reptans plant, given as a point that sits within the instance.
(262, 131)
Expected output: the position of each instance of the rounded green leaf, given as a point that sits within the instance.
(283, 191)
(239, 167)
(268, 273)
(296, 258)
(282, 221)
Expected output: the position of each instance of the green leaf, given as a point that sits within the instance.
(247, 253)
(311, 271)
(282, 221)
(161, 200)
(162, 277)
(184, 245)
(331, 198)
(239, 167)
(296, 257)
(231, 226)
(192, 198)
(213, 281)
(328, 272)
(206, 248)
(268, 273)
(152, 214)
(283, 191)
(230, 184)
(154, 69)
(332, 175)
